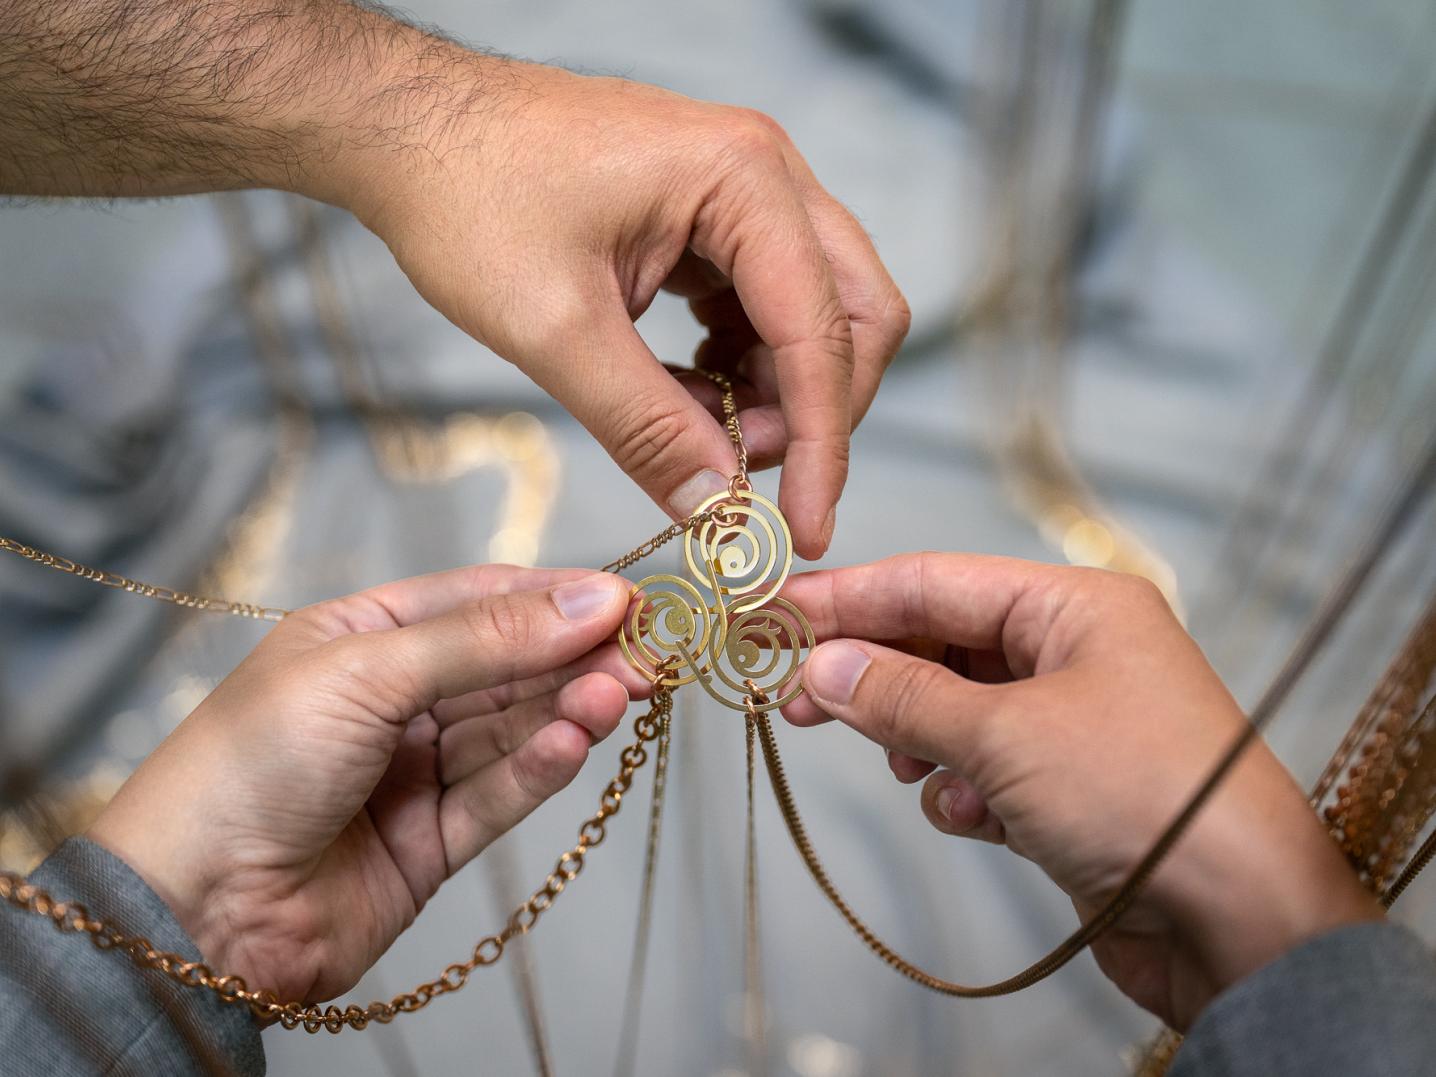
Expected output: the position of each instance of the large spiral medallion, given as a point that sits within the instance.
(724, 624)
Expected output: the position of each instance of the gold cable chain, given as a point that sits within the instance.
(643, 929)
(754, 1009)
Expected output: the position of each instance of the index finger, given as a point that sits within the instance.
(408, 601)
(876, 309)
(757, 230)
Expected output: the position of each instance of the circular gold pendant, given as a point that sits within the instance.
(725, 624)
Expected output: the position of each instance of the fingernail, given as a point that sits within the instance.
(828, 525)
(581, 599)
(834, 671)
(946, 801)
(695, 491)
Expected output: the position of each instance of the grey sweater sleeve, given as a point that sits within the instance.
(1359, 1001)
(69, 1008)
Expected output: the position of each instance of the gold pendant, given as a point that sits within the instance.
(725, 622)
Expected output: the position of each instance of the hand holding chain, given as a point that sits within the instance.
(737, 632)
(725, 628)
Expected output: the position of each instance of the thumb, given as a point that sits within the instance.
(502, 638)
(905, 704)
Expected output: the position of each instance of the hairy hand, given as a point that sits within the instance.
(1065, 713)
(540, 211)
(371, 746)
(545, 210)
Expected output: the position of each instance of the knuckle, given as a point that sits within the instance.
(897, 321)
(533, 776)
(568, 316)
(366, 676)
(502, 739)
(350, 659)
(748, 137)
(647, 437)
(909, 690)
(826, 349)
(504, 622)
(914, 686)
(913, 571)
(1123, 588)
(1145, 592)
(764, 123)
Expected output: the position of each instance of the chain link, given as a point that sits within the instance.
(124, 583)
(643, 929)
(730, 424)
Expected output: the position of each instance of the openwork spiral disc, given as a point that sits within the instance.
(747, 550)
(725, 625)
(667, 616)
(762, 649)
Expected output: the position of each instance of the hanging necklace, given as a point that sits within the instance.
(726, 629)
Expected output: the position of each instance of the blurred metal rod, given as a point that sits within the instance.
(1237, 559)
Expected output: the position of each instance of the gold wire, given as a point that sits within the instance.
(638, 960)
(755, 1031)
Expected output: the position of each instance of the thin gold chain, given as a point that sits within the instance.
(276, 613)
(638, 963)
(740, 481)
(730, 422)
(148, 590)
(754, 1017)
(798, 832)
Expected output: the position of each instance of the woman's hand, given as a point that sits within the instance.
(366, 750)
(1066, 713)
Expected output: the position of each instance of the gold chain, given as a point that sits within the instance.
(643, 930)
(754, 1018)
(124, 583)
(798, 832)
(730, 423)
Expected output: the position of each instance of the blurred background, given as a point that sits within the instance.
(1171, 268)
